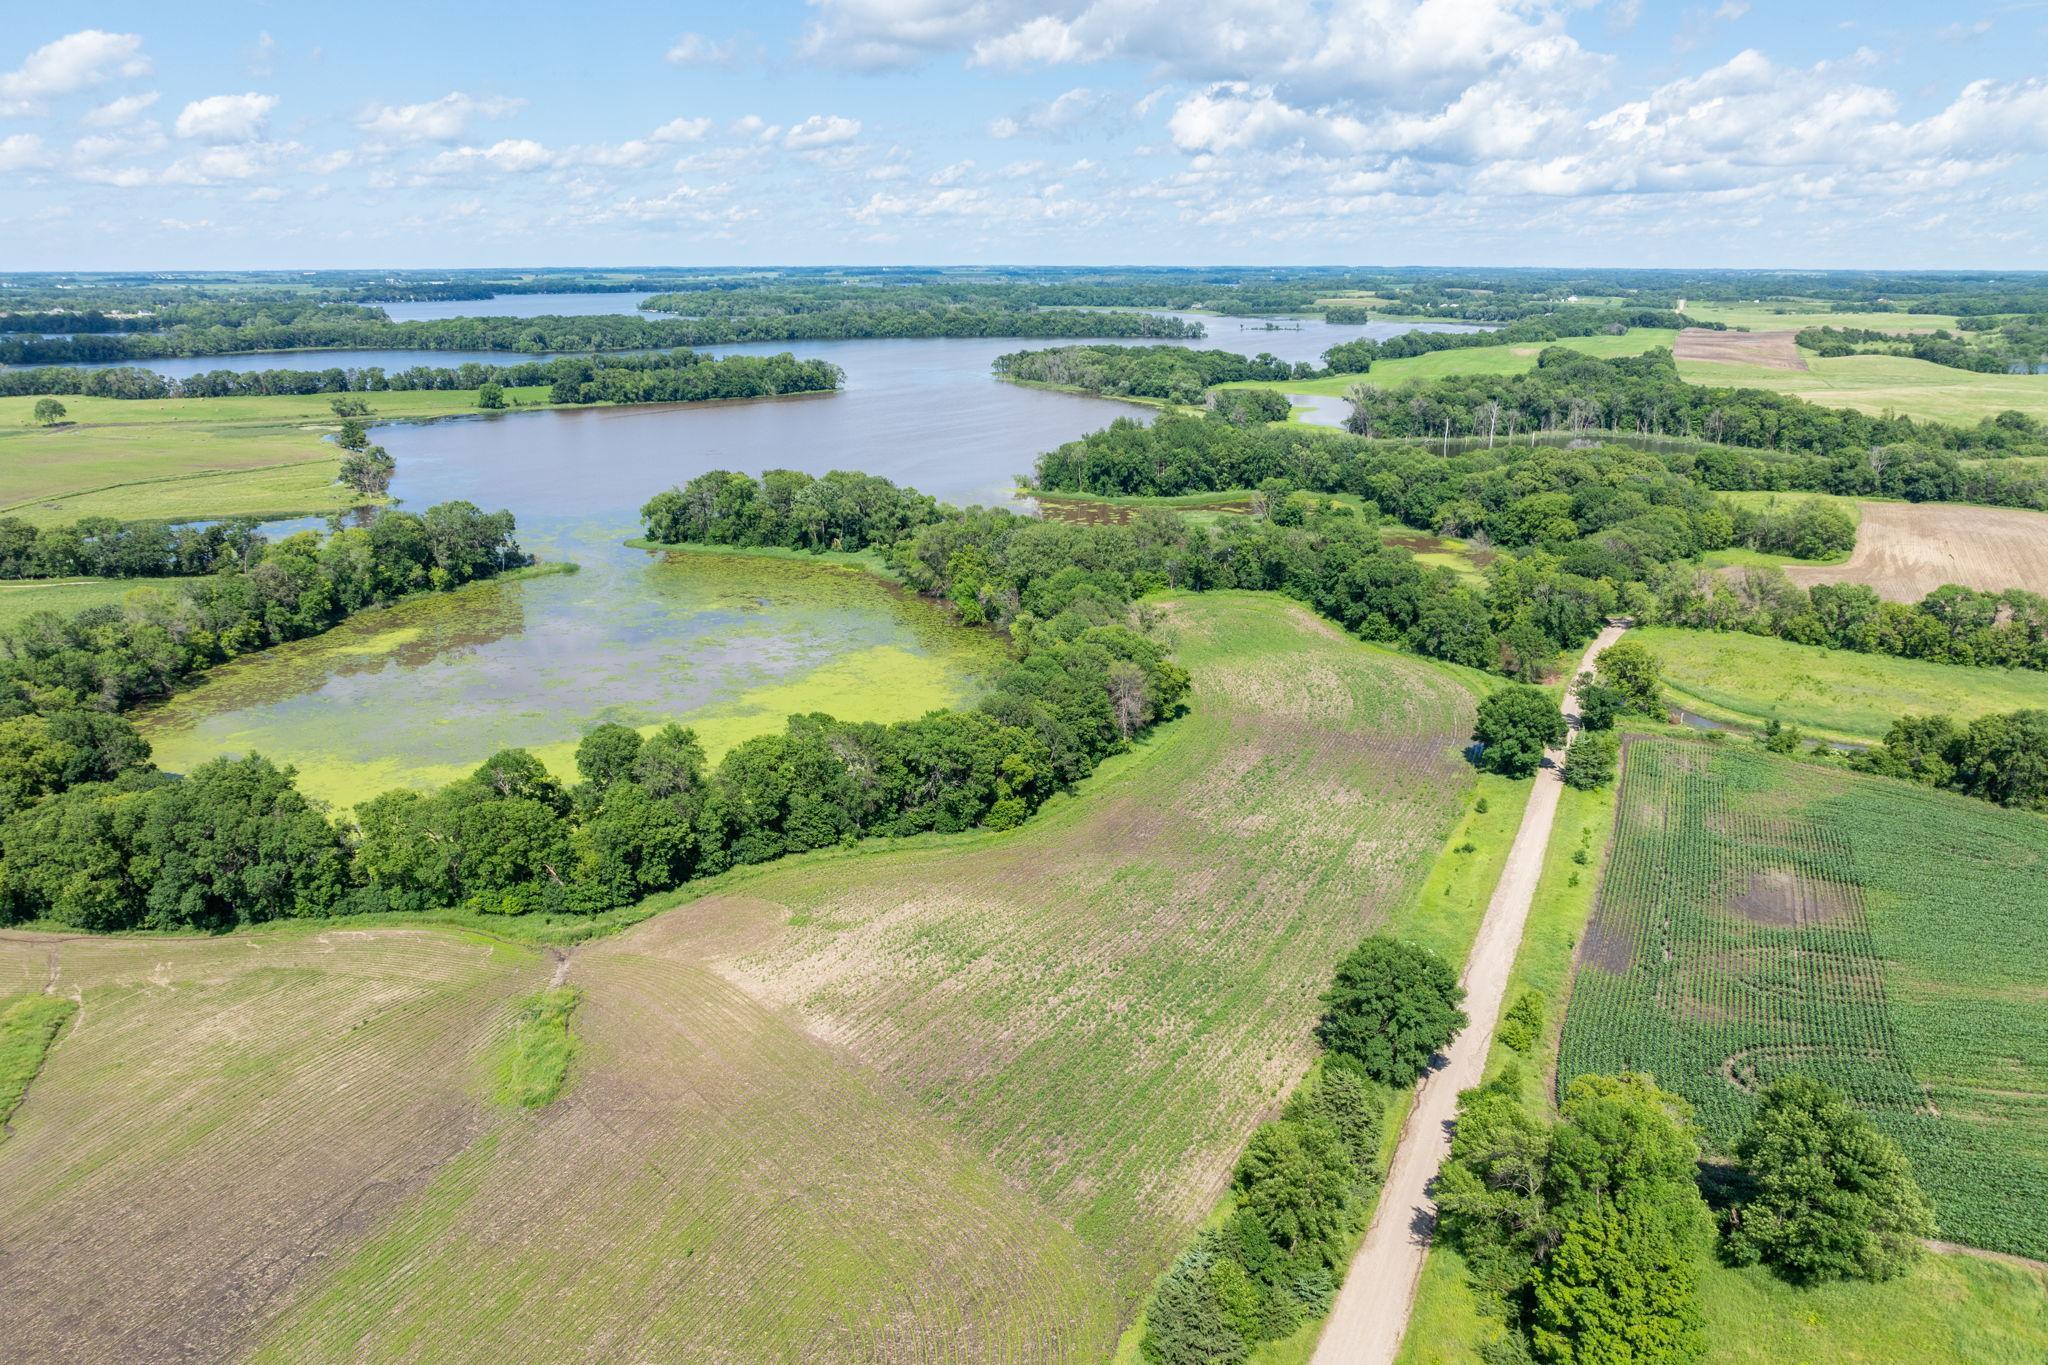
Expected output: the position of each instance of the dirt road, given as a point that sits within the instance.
(1371, 1312)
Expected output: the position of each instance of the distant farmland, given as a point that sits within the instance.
(960, 1099)
(1761, 916)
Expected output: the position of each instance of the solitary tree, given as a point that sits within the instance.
(49, 412)
(368, 471)
(1835, 1199)
(1516, 724)
(1632, 670)
(1590, 762)
(1392, 1006)
(354, 435)
(491, 396)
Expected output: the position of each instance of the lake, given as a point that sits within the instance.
(422, 692)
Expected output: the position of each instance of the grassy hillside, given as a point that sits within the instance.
(961, 1097)
(1830, 694)
(1762, 915)
(1468, 360)
(1886, 383)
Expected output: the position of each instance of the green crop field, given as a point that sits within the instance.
(1878, 384)
(1952, 1307)
(1760, 915)
(1828, 693)
(962, 1097)
(154, 459)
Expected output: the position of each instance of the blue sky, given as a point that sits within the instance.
(1514, 132)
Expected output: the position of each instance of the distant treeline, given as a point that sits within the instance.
(669, 376)
(105, 548)
(323, 330)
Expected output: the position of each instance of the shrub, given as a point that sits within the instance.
(1523, 1022)
(1835, 1199)
(1591, 762)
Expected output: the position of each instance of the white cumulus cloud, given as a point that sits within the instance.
(77, 61)
(443, 120)
(821, 130)
(225, 118)
(116, 113)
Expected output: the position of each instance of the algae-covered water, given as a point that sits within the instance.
(730, 644)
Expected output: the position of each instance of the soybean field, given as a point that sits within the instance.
(1761, 915)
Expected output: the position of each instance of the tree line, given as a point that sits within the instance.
(1951, 625)
(787, 509)
(673, 376)
(112, 657)
(102, 547)
(1356, 357)
(1987, 345)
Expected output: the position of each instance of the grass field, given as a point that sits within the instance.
(23, 598)
(155, 459)
(1467, 360)
(1907, 550)
(958, 1098)
(1878, 384)
(1947, 1308)
(1762, 915)
(1828, 693)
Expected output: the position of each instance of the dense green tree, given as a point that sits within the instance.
(490, 395)
(1392, 1007)
(1631, 669)
(1620, 1288)
(1589, 763)
(607, 754)
(1833, 1197)
(49, 412)
(1516, 725)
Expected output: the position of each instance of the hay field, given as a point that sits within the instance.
(960, 1098)
(1468, 360)
(1907, 550)
(1760, 916)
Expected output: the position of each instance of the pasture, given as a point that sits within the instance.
(1877, 384)
(1828, 693)
(22, 598)
(958, 1097)
(1761, 915)
(160, 459)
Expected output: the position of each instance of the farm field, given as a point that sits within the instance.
(1907, 550)
(1952, 1307)
(1828, 693)
(962, 1097)
(144, 459)
(1761, 915)
(1885, 383)
(1771, 350)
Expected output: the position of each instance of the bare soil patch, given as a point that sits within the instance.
(1772, 350)
(1791, 900)
(1907, 550)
